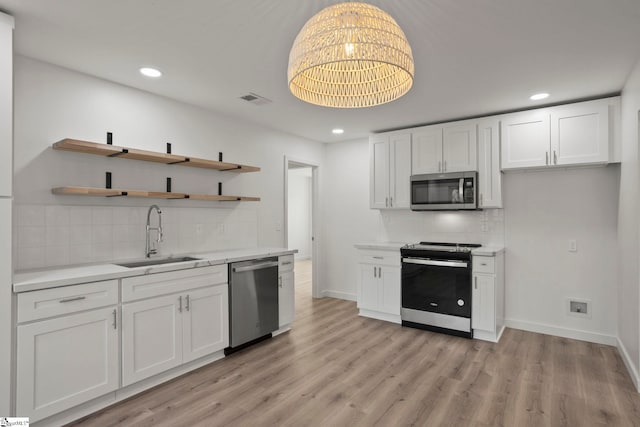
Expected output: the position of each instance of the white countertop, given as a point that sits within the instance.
(490, 250)
(381, 245)
(24, 281)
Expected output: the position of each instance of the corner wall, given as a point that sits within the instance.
(628, 224)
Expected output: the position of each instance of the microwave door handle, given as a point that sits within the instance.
(461, 190)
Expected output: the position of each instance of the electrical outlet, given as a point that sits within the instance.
(573, 245)
(199, 229)
(278, 226)
(579, 308)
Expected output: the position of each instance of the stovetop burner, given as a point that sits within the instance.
(443, 246)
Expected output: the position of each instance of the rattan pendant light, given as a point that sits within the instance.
(350, 55)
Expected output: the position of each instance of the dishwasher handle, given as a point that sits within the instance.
(254, 267)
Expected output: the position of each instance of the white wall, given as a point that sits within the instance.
(347, 219)
(299, 215)
(628, 222)
(53, 103)
(543, 211)
(6, 260)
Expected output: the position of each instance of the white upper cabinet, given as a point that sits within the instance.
(379, 171)
(580, 134)
(525, 140)
(459, 147)
(489, 174)
(400, 170)
(390, 170)
(448, 148)
(426, 145)
(574, 134)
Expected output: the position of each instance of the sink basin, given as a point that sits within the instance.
(160, 261)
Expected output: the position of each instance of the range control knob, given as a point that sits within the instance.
(460, 302)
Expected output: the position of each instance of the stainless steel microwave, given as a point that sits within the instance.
(444, 191)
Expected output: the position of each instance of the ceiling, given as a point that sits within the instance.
(472, 57)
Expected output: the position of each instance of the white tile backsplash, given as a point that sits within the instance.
(58, 235)
(485, 227)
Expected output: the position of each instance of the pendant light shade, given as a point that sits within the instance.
(350, 55)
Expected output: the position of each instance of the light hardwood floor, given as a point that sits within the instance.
(338, 369)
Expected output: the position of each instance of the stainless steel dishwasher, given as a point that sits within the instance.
(253, 301)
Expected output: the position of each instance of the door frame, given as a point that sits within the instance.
(315, 215)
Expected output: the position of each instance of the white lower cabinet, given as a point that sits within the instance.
(379, 284)
(205, 322)
(151, 337)
(66, 361)
(286, 298)
(487, 298)
(164, 332)
(286, 291)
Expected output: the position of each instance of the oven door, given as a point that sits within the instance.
(437, 285)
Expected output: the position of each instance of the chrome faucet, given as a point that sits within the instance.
(151, 249)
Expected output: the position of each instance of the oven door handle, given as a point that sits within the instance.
(459, 264)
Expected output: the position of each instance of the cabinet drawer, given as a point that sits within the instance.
(285, 263)
(66, 299)
(152, 285)
(390, 258)
(484, 264)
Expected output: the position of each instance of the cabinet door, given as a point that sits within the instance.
(525, 140)
(205, 322)
(489, 175)
(580, 134)
(459, 147)
(426, 150)
(379, 172)
(151, 337)
(483, 305)
(400, 171)
(66, 361)
(368, 287)
(389, 290)
(286, 298)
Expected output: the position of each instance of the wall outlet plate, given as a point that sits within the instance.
(579, 307)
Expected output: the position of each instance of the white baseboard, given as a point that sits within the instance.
(633, 371)
(562, 332)
(381, 316)
(340, 295)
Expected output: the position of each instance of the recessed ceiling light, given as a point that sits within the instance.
(539, 96)
(150, 72)
(338, 131)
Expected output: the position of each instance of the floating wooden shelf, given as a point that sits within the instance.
(109, 192)
(148, 156)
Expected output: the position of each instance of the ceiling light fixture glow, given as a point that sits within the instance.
(338, 131)
(150, 72)
(350, 55)
(539, 96)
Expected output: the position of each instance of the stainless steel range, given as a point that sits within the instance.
(436, 287)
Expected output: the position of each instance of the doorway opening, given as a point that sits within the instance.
(300, 218)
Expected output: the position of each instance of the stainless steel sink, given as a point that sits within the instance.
(160, 261)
